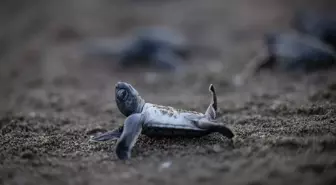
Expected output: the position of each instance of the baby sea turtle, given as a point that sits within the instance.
(154, 46)
(290, 52)
(157, 120)
(298, 52)
(317, 24)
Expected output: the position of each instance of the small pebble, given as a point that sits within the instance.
(165, 165)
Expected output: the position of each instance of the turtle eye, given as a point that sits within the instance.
(122, 94)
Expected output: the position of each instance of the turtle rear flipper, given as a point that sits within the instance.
(216, 127)
(132, 130)
(204, 123)
(211, 112)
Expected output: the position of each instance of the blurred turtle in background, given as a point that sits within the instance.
(294, 52)
(158, 47)
(317, 24)
(289, 52)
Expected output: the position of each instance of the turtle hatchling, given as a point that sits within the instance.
(289, 52)
(154, 46)
(157, 120)
(297, 52)
(317, 24)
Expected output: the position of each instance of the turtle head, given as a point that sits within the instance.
(128, 99)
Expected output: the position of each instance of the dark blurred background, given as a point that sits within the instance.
(222, 25)
(213, 23)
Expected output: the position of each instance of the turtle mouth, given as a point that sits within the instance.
(126, 86)
(122, 85)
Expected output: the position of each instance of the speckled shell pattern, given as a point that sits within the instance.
(168, 121)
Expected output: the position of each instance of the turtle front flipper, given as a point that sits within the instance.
(132, 130)
(211, 112)
(114, 134)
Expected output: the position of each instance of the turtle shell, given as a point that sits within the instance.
(147, 41)
(154, 46)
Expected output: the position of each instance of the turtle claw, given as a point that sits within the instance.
(115, 134)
